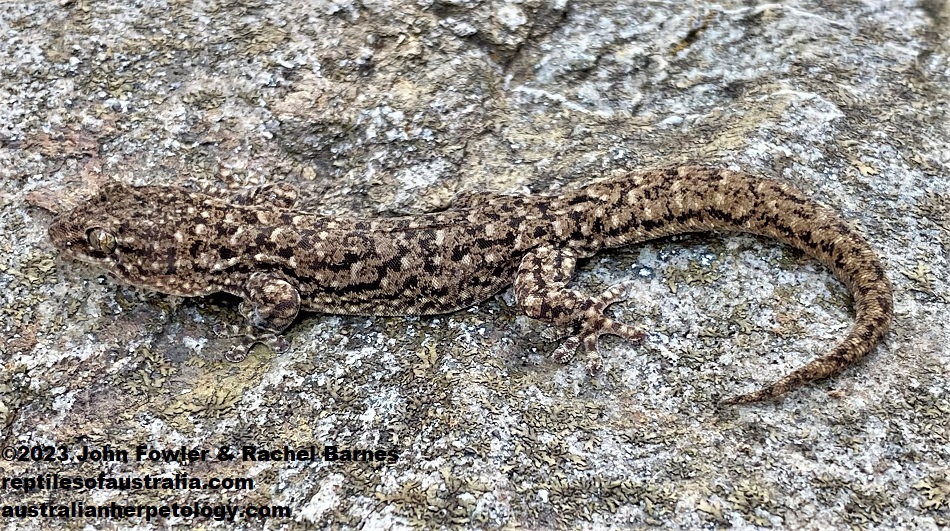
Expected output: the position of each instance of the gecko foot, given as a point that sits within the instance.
(595, 324)
(239, 352)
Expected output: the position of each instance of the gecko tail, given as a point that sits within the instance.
(832, 363)
(791, 381)
(683, 199)
(791, 217)
(823, 367)
(873, 310)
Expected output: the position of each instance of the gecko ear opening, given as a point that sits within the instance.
(101, 240)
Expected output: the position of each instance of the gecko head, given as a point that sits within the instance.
(87, 232)
(132, 232)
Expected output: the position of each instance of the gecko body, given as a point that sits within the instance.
(281, 260)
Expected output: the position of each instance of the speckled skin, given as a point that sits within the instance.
(281, 260)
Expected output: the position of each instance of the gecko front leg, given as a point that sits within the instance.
(541, 291)
(271, 303)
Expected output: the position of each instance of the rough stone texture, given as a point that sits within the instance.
(376, 108)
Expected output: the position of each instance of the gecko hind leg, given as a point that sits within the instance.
(541, 291)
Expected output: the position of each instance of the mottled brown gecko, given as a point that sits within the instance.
(281, 260)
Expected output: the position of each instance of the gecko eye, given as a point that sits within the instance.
(101, 240)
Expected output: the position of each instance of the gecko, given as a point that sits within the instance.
(281, 260)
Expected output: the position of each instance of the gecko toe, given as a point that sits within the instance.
(239, 352)
(618, 292)
(568, 350)
(565, 352)
(595, 327)
(594, 362)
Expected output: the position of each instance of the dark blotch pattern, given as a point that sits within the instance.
(280, 260)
